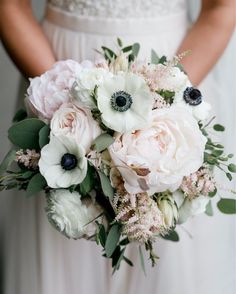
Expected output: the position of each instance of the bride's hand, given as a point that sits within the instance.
(23, 38)
(208, 37)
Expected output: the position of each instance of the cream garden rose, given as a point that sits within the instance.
(73, 121)
(156, 158)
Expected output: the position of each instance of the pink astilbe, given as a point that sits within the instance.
(142, 220)
(29, 158)
(198, 183)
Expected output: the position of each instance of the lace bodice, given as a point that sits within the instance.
(121, 8)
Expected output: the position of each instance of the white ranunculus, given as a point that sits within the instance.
(168, 207)
(77, 123)
(85, 85)
(125, 102)
(190, 207)
(63, 162)
(156, 158)
(71, 215)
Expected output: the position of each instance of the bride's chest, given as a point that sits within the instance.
(121, 8)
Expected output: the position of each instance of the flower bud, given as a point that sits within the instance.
(120, 64)
(168, 207)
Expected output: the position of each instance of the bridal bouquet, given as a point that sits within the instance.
(121, 148)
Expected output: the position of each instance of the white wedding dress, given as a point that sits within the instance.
(39, 260)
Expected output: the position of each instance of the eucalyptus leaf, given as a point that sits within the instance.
(112, 239)
(25, 133)
(212, 194)
(36, 184)
(106, 185)
(102, 142)
(142, 260)
(171, 236)
(154, 57)
(44, 136)
(232, 168)
(218, 128)
(209, 210)
(7, 160)
(227, 205)
(127, 49)
(135, 49)
(163, 59)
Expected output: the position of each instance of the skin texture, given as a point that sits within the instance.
(29, 49)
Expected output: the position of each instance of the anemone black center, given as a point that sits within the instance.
(121, 101)
(192, 96)
(68, 161)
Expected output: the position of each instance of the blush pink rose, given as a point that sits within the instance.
(156, 159)
(75, 122)
(47, 92)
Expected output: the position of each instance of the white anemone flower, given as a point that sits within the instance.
(72, 216)
(63, 162)
(125, 102)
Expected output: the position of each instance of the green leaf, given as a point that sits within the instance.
(219, 128)
(231, 155)
(20, 115)
(117, 258)
(25, 133)
(212, 194)
(44, 136)
(229, 176)
(36, 184)
(209, 210)
(88, 183)
(7, 160)
(171, 236)
(124, 242)
(217, 153)
(163, 59)
(128, 261)
(142, 260)
(109, 54)
(119, 42)
(232, 168)
(127, 49)
(106, 185)
(102, 142)
(102, 236)
(112, 239)
(227, 206)
(154, 57)
(135, 49)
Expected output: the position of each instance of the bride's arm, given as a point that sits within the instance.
(208, 37)
(23, 38)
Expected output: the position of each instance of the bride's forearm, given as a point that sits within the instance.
(23, 38)
(208, 37)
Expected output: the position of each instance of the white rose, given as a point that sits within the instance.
(77, 123)
(85, 85)
(189, 207)
(156, 158)
(71, 215)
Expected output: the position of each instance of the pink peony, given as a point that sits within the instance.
(47, 92)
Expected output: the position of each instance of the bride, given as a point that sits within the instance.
(38, 260)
